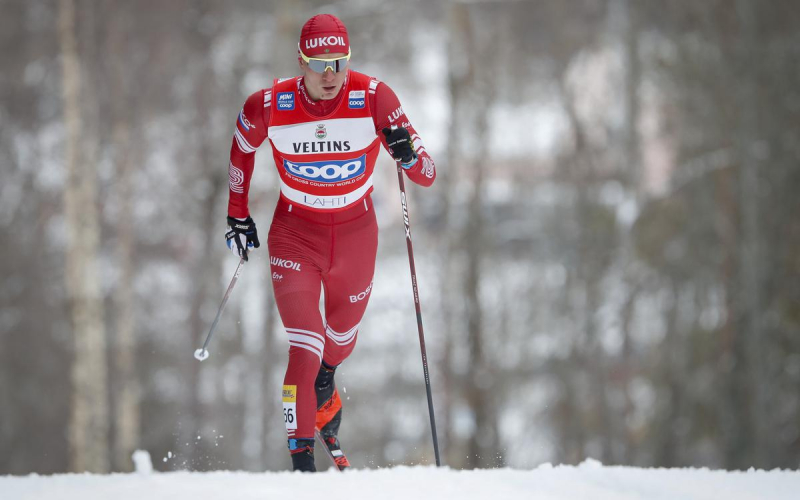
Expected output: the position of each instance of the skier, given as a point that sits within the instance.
(324, 128)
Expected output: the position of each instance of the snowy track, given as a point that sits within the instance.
(589, 480)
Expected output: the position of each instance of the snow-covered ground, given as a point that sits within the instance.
(590, 481)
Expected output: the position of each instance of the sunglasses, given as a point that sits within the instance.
(322, 65)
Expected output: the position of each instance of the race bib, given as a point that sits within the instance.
(290, 407)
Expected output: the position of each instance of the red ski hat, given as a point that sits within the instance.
(324, 34)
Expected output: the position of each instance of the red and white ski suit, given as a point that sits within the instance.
(323, 232)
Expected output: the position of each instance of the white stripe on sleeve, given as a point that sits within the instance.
(244, 146)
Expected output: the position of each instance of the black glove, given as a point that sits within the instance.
(242, 236)
(399, 142)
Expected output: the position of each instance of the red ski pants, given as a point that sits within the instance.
(309, 250)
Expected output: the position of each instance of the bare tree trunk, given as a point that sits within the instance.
(271, 412)
(255, 347)
(127, 393)
(473, 127)
(88, 430)
(627, 254)
(460, 76)
(206, 268)
(570, 429)
(628, 368)
(751, 256)
(668, 445)
(128, 425)
(589, 270)
(483, 444)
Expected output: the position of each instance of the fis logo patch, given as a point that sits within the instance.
(289, 393)
(327, 171)
(356, 99)
(286, 101)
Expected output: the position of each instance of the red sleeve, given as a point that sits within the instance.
(250, 132)
(388, 112)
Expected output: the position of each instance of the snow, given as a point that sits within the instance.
(142, 462)
(589, 480)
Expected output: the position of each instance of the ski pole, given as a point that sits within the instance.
(202, 353)
(419, 311)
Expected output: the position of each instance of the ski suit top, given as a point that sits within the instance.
(324, 151)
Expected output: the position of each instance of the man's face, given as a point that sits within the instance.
(323, 86)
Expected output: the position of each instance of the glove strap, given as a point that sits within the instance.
(410, 164)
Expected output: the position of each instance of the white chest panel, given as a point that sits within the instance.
(295, 139)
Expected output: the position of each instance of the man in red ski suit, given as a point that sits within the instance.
(325, 128)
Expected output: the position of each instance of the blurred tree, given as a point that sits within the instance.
(628, 292)
(89, 422)
(728, 212)
(127, 423)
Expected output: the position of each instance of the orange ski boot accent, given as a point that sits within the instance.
(328, 410)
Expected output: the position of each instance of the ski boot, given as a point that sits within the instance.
(302, 452)
(329, 414)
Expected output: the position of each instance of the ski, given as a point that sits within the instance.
(327, 450)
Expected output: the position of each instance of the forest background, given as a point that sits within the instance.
(608, 262)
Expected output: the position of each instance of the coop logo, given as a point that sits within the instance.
(356, 99)
(286, 100)
(327, 171)
(362, 295)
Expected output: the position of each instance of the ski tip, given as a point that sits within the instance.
(201, 354)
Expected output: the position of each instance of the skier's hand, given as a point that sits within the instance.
(399, 142)
(242, 236)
